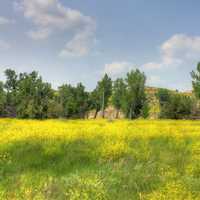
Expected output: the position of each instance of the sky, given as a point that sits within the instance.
(71, 41)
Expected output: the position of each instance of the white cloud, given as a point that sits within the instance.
(179, 50)
(115, 69)
(154, 80)
(4, 45)
(4, 21)
(50, 16)
(39, 34)
(80, 44)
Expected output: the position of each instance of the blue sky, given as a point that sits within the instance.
(68, 41)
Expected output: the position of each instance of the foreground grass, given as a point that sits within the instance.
(85, 160)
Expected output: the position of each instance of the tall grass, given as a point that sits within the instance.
(89, 160)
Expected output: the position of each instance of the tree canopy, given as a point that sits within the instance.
(27, 95)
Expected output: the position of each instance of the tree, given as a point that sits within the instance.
(74, 101)
(66, 99)
(163, 95)
(196, 81)
(82, 102)
(174, 105)
(101, 94)
(95, 101)
(33, 96)
(54, 106)
(118, 94)
(135, 94)
(11, 86)
(2, 99)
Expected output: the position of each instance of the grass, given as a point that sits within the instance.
(99, 160)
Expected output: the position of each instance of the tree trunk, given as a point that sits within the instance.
(95, 114)
(130, 113)
(103, 106)
(103, 113)
(117, 114)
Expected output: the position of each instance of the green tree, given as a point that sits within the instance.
(163, 95)
(135, 94)
(196, 81)
(11, 86)
(82, 100)
(145, 110)
(2, 99)
(74, 101)
(33, 96)
(67, 100)
(174, 105)
(101, 94)
(54, 106)
(95, 101)
(118, 94)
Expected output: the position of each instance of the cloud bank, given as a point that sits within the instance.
(50, 17)
(5, 21)
(116, 69)
(178, 50)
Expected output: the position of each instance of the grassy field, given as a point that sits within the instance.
(83, 160)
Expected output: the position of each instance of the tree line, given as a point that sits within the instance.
(26, 95)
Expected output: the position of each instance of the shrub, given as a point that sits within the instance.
(174, 105)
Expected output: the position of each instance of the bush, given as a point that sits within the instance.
(174, 105)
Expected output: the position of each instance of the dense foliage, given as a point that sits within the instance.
(174, 105)
(196, 81)
(26, 95)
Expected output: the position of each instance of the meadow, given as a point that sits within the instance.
(99, 160)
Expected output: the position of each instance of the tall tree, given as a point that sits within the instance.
(135, 95)
(33, 96)
(66, 99)
(196, 81)
(95, 101)
(2, 99)
(105, 91)
(54, 106)
(101, 94)
(174, 105)
(118, 94)
(81, 97)
(74, 101)
(11, 86)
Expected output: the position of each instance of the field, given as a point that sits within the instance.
(89, 160)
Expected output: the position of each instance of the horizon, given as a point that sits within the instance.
(75, 41)
(74, 85)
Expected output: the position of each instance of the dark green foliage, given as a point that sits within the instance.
(101, 94)
(135, 97)
(163, 96)
(11, 86)
(33, 96)
(196, 81)
(54, 108)
(174, 105)
(118, 95)
(26, 95)
(11, 80)
(74, 101)
(145, 110)
(2, 100)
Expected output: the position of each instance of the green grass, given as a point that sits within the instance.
(58, 160)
